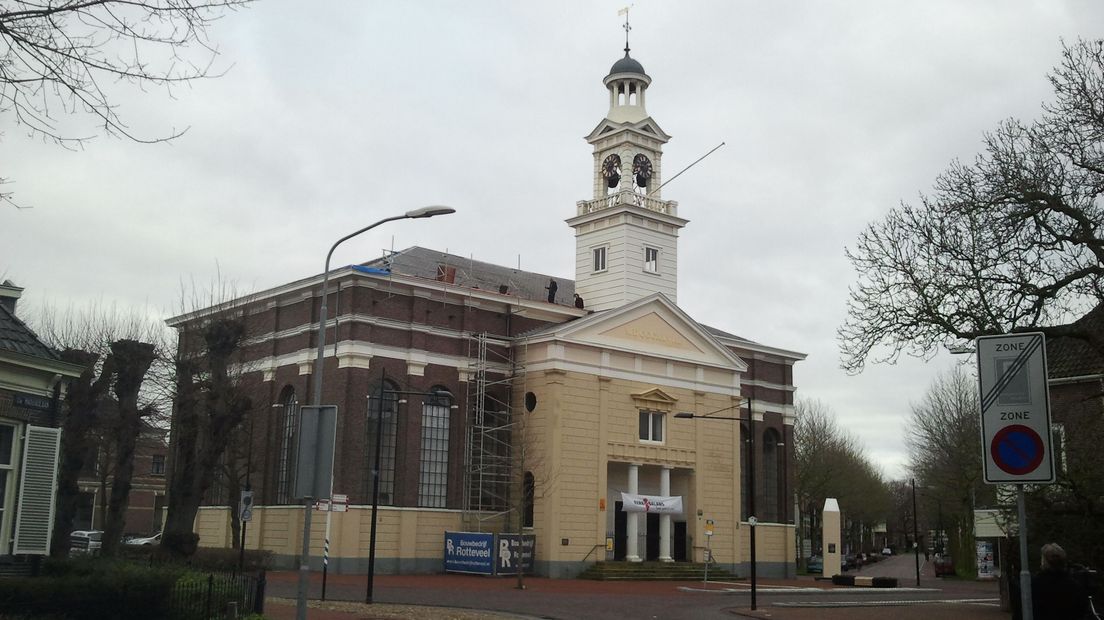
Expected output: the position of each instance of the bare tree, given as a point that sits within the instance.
(209, 406)
(829, 463)
(1007, 242)
(64, 57)
(116, 350)
(945, 452)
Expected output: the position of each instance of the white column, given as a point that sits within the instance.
(665, 520)
(632, 554)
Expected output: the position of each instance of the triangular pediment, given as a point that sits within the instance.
(654, 399)
(652, 327)
(646, 126)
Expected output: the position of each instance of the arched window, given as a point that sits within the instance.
(288, 422)
(772, 479)
(530, 491)
(433, 478)
(382, 419)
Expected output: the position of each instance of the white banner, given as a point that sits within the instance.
(652, 504)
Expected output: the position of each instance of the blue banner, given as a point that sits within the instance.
(469, 552)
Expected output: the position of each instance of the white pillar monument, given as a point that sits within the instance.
(830, 537)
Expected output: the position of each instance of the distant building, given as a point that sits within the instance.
(543, 411)
(32, 378)
(146, 505)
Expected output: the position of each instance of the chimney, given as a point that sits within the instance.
(9, 294)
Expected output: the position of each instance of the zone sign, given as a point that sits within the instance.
(1015, 409)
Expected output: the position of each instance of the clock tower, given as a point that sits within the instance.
(626, 237)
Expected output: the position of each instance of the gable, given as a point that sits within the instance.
(651, 327)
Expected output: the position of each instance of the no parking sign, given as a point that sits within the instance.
(1015, 409)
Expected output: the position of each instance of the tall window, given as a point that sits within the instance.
(651, 425)
(7, 452)
(599, 262)
(383, 415)
(157, 465)
(651, 260)
(433, 480)
(771, 478)
(530, 493)
(288, 424)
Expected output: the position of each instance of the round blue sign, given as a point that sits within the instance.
(1017, 449)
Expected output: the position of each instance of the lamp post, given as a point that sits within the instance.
(376, 464)
(752, 520)
(915, 536)
(316, 400)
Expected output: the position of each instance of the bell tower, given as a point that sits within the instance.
(626, 236)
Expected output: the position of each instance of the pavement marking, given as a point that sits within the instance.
(899, 603)
(807, 590)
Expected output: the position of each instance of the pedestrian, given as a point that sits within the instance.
(551, 288)
(1054, 593)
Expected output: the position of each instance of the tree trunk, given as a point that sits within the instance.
(132, 359)
(205, 418)
(80, 417)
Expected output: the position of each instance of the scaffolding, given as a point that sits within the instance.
(488, 472)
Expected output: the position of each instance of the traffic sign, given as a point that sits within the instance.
(245, 506)
(1015, 409)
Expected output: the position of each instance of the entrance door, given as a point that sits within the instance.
(620, 532)
(680, 541)
(652, 543)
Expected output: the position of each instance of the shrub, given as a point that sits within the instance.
(85, 589)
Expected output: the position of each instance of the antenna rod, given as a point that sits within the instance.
(686, 168)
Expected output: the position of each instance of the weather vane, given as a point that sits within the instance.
(627, 27)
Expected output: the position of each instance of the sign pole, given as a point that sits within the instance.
(304, 562)
(1025, 575)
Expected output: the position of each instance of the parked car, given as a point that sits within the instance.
(851, 561)
(144, 541)
(815, 564)
(943, 565)
(887, 551)
(86, 541)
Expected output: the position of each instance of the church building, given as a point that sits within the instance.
(505, 400)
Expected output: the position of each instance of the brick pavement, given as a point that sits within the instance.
(465, 596)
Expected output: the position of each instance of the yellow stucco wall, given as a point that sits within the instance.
(402, 533)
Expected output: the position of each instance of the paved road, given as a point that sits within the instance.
(570, 599)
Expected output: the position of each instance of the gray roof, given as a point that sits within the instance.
(16, 337)
(421, 262)
(627, 65)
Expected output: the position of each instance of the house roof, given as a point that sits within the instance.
(1074, 357)
(16, 337)
(422, 262)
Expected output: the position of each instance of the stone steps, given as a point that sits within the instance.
(653, 571)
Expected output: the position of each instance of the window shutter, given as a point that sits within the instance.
(37, 491)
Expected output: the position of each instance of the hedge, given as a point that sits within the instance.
(91, 590)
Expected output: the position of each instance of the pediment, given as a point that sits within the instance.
(654, 399)
(652, 327)
(645, 126)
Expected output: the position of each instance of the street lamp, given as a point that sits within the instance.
(915, 538)
(304, 568)
(752, 520)
(384, 393)
(415, 214)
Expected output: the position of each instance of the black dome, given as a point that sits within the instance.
(627, 65)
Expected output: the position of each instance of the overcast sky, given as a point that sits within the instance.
(335, 114)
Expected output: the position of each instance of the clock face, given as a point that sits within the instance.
(611, 170)
(642, 170)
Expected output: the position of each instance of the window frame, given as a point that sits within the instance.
(603, 250)
(653, 417)
(8, 490)
(157, 464)
(647, 262)
(433, 461)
